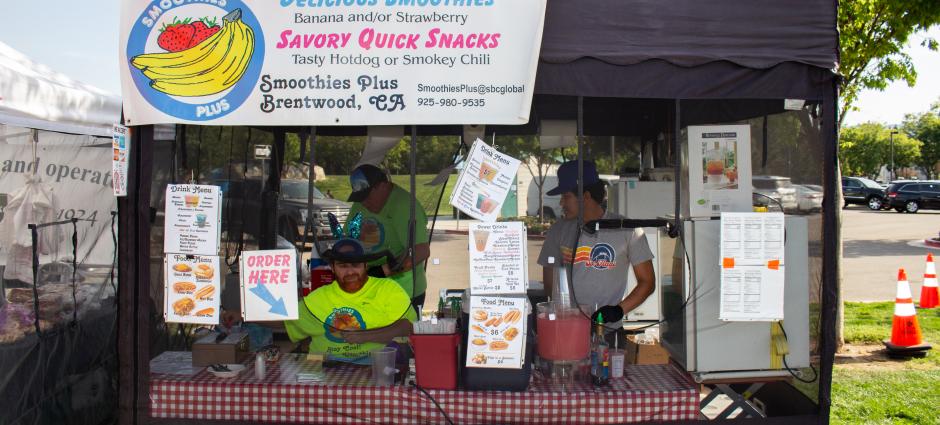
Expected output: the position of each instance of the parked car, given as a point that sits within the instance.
(292, 210)
(241, 208)
(550, 204)
(778, 188)
(809, 198)
(912, 196)
(862, 191)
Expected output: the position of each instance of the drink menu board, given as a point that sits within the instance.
(719, 169)
(191, 289)
(496, 337)
(498, 258)
(192, 221)
(484, 182)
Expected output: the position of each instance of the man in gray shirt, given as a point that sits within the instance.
(601, 260)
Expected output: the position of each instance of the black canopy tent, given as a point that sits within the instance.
(612, 58)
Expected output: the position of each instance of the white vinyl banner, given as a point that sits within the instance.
(80, 178)
(329, 62)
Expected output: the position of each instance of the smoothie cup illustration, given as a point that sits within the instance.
(192, 200)
(480, 237)
(200, 220)
(487, 171)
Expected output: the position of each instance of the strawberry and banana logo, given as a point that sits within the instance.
(201, 58)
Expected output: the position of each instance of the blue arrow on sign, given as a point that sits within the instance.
(277, 306)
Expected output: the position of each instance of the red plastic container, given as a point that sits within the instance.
(436, 360)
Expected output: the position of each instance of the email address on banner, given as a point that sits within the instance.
(480, 89)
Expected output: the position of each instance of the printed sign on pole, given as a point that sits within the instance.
(121, 145)
(498, 258)
(192, 222)
(191, 288)
(497, 332)
(269, 285)
(484, 182)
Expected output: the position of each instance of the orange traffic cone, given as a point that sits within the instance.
(906, 339)
(928, 292)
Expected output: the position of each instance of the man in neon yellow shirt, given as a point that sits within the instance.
(386, 211)
(354, 314)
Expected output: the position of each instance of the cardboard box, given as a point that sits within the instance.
(231, 350)
(644, 353)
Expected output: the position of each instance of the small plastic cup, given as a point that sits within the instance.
(383, 366)
(616, 362)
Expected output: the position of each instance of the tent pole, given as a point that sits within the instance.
(832, 239)
(580, 162)
(412, 226)
(309, 224)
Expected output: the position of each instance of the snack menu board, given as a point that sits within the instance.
(192, 221)
(269, 285)
(496, 334)
(484, 182)
(498, 258)
(192, 289)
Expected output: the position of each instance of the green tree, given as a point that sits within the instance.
(866, 147)
(925, 127)
(872, 37)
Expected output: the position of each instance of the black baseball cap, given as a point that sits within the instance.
(349, 251)
(363, 179)
(568, 177)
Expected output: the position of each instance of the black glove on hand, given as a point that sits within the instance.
(611, 314)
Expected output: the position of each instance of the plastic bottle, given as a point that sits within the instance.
(600, 355)
(259, 366)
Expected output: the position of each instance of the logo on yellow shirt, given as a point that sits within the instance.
(342, 319)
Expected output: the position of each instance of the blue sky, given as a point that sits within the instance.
(81, 40)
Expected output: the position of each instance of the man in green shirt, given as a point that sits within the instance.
(354, 314)
(386, 211)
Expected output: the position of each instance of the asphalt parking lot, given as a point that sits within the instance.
(876, 244)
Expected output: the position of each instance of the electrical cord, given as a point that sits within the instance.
(787, 367)
(439, 408)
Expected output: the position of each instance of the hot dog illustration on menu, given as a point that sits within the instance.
(496, 338)
(192, 289)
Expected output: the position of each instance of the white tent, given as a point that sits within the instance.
(34, 96)
(56, 130)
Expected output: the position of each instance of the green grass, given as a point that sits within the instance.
(870, 323)
(906, 392)
(427, 196)
(885, 397)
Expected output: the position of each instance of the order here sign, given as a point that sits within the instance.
(269, 285)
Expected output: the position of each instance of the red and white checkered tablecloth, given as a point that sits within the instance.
(343, 396)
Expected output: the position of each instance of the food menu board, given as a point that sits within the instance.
(269, 285)
(192, 221)
(719, 169)
(496, 337)
(192, 289)
(498, 258)
(484, 182)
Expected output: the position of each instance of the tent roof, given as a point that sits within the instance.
(689, 48)
(33, 95)
(755, 34)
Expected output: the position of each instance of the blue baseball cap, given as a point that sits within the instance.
(568, 177)
(346, 251)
